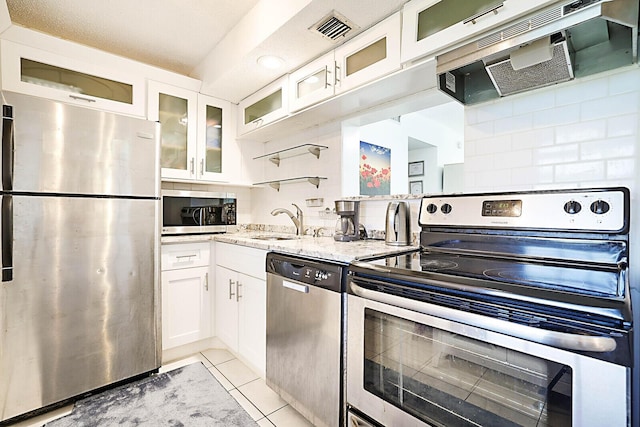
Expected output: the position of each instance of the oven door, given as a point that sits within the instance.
(408, 368)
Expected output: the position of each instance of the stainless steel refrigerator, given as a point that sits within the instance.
(80, 241)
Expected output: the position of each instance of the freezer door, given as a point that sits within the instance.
(60, 148)
(78, 312)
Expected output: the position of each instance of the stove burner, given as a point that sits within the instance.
(430, 264)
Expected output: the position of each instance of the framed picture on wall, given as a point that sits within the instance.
(415, 187)
(416, 168)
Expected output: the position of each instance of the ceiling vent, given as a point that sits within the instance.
(333, 27)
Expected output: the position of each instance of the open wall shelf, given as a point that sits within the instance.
(298, 150)
(313, 180)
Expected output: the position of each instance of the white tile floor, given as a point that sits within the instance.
(251, 392)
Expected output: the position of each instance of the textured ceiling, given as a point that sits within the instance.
(200, 38)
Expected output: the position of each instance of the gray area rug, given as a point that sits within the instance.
(187, 396)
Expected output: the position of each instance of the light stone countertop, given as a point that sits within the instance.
(323, 248)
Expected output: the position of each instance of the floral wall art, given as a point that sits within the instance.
(375, 170)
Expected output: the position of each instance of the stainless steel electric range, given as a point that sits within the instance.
(516, 311)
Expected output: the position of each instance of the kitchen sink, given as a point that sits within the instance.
(268, 237)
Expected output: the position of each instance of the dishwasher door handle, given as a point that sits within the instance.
(296, 287)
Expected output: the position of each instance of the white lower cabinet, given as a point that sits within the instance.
(240, 302)
(186, 294)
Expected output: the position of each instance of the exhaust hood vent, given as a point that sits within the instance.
(559, 43)
(509, 79)
(333, 26)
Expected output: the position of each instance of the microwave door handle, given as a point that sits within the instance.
(6, 231)
(542, 336)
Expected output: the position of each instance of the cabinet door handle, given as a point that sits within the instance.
(193, 161)
(201, 167)
(326, 79)
(238, 296)
(336, 78)
(206, 282)
(231, 294)
(474, 18)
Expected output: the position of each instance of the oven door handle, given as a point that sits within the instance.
(542, 336)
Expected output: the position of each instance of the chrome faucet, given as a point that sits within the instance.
(297, 219)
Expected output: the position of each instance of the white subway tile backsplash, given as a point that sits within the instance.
(513, 124)
(513, 159)
(470, 148)
(610, 106)
(621, 169)
(556, 116)
(494, 178)
(479, 163)
(625, 80)
(529, 176)
(496, 110)
(533, 101)
(533, 138)
(478, 131)
(470, 116)
(608, 148)
(579, 91)
(622, 125)
(582, 131)
(556, 154)
(577, 172)
(497, 144)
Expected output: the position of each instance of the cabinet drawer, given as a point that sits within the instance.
(185, 255)
(243, 259)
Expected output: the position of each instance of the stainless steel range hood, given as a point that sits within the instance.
(569, 40)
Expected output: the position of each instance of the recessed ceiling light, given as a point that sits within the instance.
(270, 61)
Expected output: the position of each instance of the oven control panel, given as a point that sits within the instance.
(595, 210)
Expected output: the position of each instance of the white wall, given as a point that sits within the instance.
(386, 133)
(264, 200)
(441, 126)
(579, 134)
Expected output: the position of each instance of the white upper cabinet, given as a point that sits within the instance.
(265, 106)
(432, 26)
(312, 83)
(217, 157)
(40, 73)
(370, 55)
(177, 111)
(195, 140)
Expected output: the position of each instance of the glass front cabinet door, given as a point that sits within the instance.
(312, 83)
(431, 27)
(36, 72)
(265, 106)
(215, 153)
(194, 128)
(371, 55)
(176, 110)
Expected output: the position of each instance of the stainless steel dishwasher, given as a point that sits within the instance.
(304, 336)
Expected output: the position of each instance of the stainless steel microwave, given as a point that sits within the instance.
(197, 212)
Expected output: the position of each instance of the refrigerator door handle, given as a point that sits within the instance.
(7, 238)
(7, 148)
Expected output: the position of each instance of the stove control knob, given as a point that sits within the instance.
(600, 207)
(431, 208)
(572, 207)
(446, 208)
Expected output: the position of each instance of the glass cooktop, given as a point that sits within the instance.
(594, 269)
